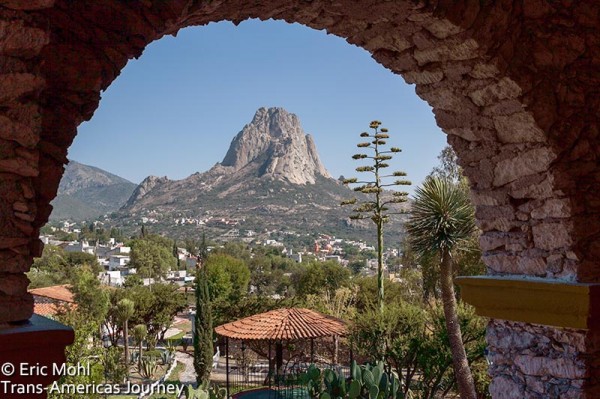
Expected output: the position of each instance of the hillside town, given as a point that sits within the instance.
(114, 257)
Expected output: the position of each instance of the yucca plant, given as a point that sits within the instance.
(441, 219)
(140, 332)
(125, 310)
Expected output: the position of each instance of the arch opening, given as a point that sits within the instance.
(507, 86)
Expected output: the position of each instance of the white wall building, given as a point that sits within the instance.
(118, 261)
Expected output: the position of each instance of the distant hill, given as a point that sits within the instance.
(270, 178)
(86, 192)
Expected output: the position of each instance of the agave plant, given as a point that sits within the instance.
(147, 367)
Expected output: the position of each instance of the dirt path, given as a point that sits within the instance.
(188, 375)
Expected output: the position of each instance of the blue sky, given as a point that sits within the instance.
(175, 110)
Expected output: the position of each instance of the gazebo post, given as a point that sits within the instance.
(312, 350)
(279, 356)
(336, 348)
(227, 366)
(270, 376)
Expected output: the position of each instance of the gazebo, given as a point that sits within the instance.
(278, 326)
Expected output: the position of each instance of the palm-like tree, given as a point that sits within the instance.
(139, 334)
(124, 311)
(442, 218)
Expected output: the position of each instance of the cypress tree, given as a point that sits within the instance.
(203, 334)
(176, 255)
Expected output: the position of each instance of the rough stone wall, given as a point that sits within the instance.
(542, 362)
(514, 84)
(21, 41)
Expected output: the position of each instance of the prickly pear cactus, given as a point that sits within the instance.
(213, 392)
(366, 382)
(198, 393)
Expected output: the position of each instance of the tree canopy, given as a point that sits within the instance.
(152, 256)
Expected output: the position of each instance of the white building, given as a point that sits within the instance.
(118, 262)
(112, 278)
(82, 246)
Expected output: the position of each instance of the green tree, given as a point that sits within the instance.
(57, 266)
(74, 260)
(203, 331)
(442, 218)
(117, 234)
(319, 278)
(448, 167)
(151, 258)
(396, 335)
(377, 209)
(125, 310)
(85, 319)
(234, 249)
(228, 277)
(114, 369)
(92, 300)
(357, 265)
(155, 307)
(81, 352)
(367, 288)
(416, 345)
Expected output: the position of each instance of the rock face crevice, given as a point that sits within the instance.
(275, 145)
(513, 84)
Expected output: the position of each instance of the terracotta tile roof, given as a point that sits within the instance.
(48, 309)
(58, 292)
(287, 323)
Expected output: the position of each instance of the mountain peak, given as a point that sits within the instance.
(86, 192)
(274, 145)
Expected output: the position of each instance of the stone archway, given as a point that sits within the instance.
(513, 84)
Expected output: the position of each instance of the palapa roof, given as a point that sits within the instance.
(286, 323)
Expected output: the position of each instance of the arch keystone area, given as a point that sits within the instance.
(514, 85)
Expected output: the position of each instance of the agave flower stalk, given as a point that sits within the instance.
(377, 208)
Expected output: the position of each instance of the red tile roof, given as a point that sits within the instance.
(58, 292)
(49, 309)
(287, 323)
